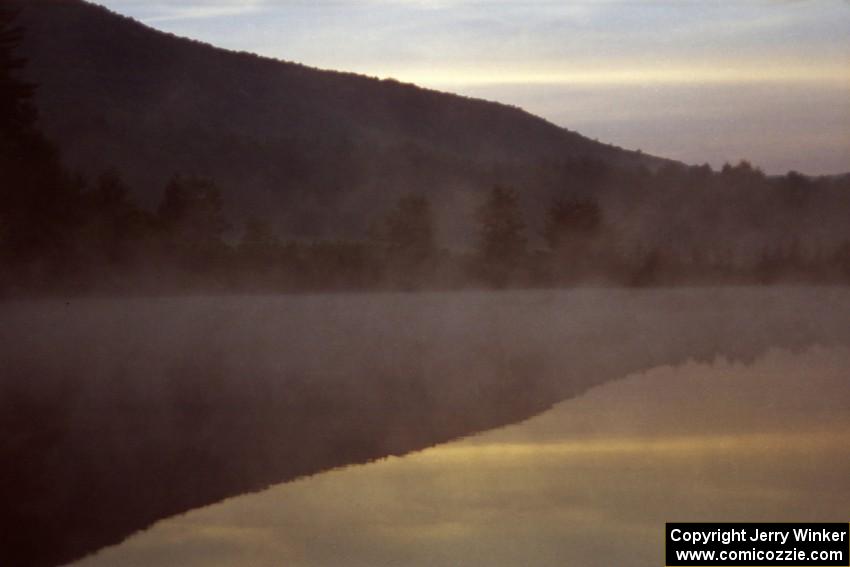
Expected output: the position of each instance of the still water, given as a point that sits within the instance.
(590, 482)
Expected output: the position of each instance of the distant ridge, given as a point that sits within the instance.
(317, 152)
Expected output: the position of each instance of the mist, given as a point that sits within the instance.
(224, 276)
(119, 412)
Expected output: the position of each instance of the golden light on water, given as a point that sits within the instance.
(590, 482)
(505, 453)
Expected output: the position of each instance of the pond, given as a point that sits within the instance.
(590, 482)
(116, 413)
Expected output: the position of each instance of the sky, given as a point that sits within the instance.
(699, 81)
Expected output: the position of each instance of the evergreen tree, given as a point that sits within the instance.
(40, 206)
(193, 224)
(572, 227)
(501, 237)
(17, 113)
(116, 229)
(409, 242)
(569, 220)
(191, 211)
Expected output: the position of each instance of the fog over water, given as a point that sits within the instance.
(256, 313)
(118, 413)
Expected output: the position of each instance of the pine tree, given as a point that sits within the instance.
(39, 202)
(408, 240)
(501, 237)
(17, 113)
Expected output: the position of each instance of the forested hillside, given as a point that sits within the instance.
(159, 164)
(315, 151)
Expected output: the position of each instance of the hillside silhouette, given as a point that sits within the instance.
(162, 199)
(316, 151)
(160, 164)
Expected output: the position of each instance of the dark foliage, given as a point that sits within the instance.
(17, 113)
(39, 201)
(502, 245)
(311, 151)
(407, 243)
(609, 219)
(570, 219)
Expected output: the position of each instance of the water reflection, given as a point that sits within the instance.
(589, 483)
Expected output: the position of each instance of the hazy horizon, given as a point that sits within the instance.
(697, 82)
(220, 273)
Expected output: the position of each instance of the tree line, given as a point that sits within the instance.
(60, 232)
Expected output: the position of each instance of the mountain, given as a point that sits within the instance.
(318, 153)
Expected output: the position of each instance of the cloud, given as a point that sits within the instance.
(171, 10)
(627, 73)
